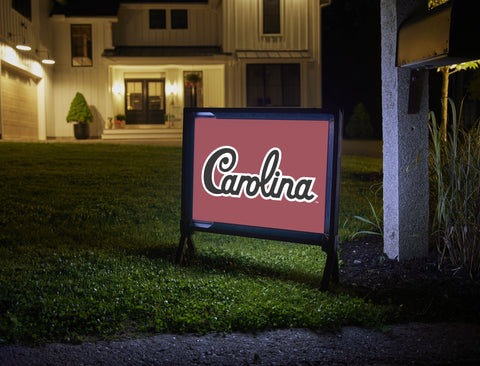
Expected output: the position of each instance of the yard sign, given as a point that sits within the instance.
(264, 173)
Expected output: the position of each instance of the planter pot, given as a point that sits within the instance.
(81, 131)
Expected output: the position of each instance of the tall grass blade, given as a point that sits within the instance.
(455, 192)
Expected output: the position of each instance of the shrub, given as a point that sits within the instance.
(359, 125)
(79, 110)
(455, 181)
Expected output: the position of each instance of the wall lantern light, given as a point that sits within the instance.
(118, 88)
(172, 88)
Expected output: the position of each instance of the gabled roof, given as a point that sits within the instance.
(95, 8)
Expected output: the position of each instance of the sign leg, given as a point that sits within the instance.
(180, 250)
(185, 241)
(331, 272)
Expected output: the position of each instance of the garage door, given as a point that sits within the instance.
(18, 105)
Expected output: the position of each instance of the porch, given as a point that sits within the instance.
(144, 132)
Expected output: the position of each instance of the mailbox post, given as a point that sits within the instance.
(411, 44)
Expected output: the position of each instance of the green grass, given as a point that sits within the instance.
(361, 185)
(88, 235)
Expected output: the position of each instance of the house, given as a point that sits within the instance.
(147, 60)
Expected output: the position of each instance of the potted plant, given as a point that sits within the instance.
(120, 120)
(80, 115)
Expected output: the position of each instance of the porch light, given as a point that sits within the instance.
(118, 88)
(172, 88)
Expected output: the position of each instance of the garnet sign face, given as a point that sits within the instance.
(261, 172)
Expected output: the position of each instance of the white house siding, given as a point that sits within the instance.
(91, 81)
(244, 32)
(133, 27)
(36, 33)
(214, 87)
(299, 42)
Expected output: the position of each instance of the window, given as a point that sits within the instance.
(81, 44)
(271, 17)
(273, 85)
(24, 7)
(192, 89)
(134, 95)
(179, 19)
(158, 19)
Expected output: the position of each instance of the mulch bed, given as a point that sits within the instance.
(418, 287)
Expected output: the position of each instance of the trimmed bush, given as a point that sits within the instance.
(359, 125)
(79, 110)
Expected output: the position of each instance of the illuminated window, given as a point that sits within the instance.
(81, 44)
(134, 95)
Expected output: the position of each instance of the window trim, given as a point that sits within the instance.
(282, 19)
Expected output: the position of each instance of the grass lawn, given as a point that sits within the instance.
(88, 234)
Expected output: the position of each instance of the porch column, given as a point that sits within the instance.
(405, 139)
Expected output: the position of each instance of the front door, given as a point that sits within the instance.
(145, 101)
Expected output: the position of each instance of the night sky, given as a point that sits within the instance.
(351, 58)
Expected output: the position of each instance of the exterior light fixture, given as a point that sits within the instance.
(46, 60)
(172, 88)
(118, 89)
(22, 44)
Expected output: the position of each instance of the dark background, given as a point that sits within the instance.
(351, 58)
(351, 66)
